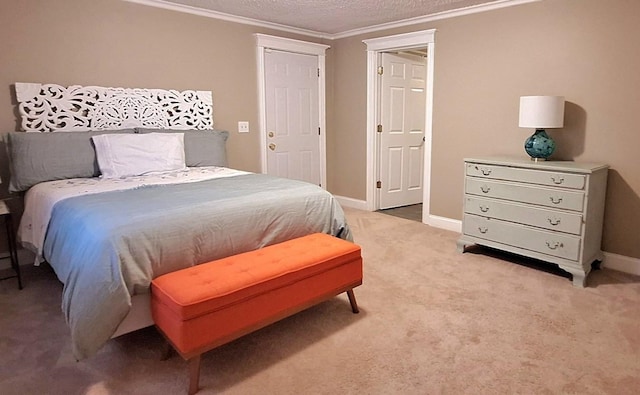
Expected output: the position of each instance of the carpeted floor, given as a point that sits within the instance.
(432, 321)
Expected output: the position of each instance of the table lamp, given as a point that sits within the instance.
(541, 112)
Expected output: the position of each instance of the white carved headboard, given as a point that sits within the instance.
(51, 108)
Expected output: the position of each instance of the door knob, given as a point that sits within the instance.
(270, 134)
(272, 147)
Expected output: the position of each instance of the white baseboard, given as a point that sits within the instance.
(453, 225)
(352, 203)
(621, 263)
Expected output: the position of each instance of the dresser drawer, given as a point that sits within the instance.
(540, 177)
(556, 198)
(550, 243)
(555, 220)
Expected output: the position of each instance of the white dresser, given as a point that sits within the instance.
(551, 211)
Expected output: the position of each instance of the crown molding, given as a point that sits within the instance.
(228, 17)
(433, 17)
(369, 29)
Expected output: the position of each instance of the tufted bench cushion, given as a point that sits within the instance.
(204, 306)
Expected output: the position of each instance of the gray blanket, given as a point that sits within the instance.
(106, 247)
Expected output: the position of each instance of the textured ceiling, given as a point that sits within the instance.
(330, 16)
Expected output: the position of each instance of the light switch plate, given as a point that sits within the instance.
(243, 127)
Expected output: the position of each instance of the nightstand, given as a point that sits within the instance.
(5, 214)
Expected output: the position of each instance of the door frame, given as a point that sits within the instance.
(264, 42)
(375, 47)
(403, 196)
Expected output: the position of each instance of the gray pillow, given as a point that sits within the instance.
(201, 147)
(38, 157)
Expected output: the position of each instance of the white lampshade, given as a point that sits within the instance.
(541, 112)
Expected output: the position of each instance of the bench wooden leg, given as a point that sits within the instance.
(167, 351)
(194, 374)
(352, 300)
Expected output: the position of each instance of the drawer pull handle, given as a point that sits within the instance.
(554, 245)
(485, 172)
(558, 180)
(483, 229)
(555, 200)
(484, 209)
(554, 221)
(485, 189)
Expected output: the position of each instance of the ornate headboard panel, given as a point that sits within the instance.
(51, 108)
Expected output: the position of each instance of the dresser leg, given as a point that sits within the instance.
(460, 245)
(579, 279)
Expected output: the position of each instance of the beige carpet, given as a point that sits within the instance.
(432, 321)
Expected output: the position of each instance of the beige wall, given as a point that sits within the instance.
(585, 50)
(117, 43)
(582, 49)
(346, 146)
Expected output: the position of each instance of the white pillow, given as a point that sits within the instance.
(122, 155)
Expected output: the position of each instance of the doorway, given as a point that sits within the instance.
(375, 49)
(401, 132)
(291, 84)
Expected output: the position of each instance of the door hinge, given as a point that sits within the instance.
(318, 71)
(379, 128)
(380, 70)
(378, 184)
(318, 131)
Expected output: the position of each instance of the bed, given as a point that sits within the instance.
(106, 236)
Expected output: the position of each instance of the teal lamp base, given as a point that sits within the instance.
(539, 146)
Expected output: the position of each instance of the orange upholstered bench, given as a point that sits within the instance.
(205, 306)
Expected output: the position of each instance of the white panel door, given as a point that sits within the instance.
(403, 106)
(292, 120)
